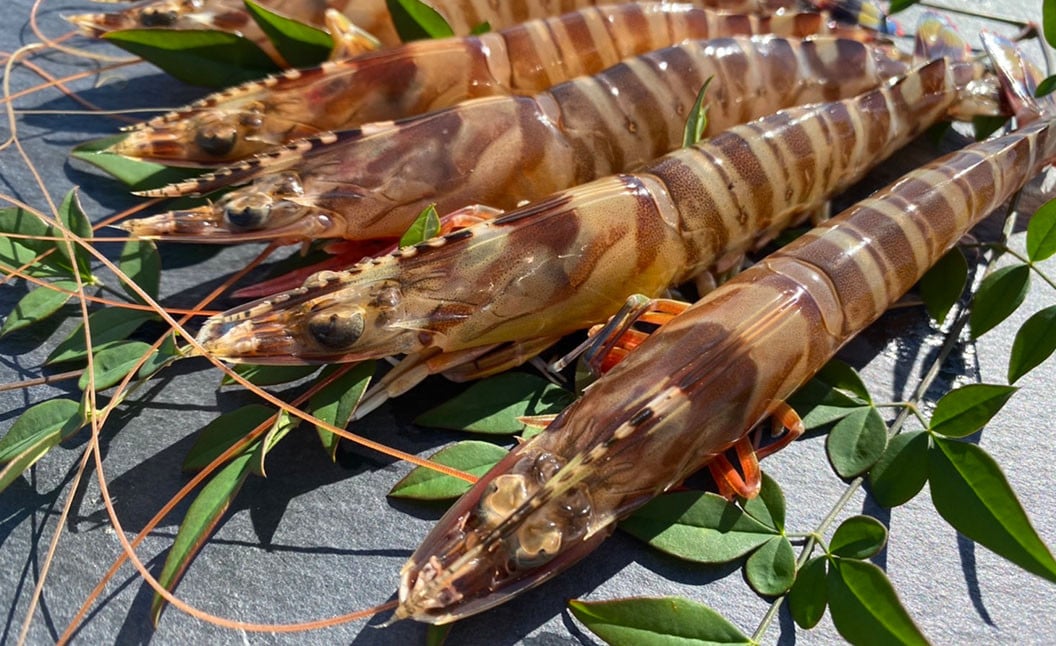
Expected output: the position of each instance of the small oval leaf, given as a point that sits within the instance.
(494, 405)
(999, 295)
(112, 364)
(47, 419)
(809, 594)
(820, 404)
(142, 264)
(697, 123)
(769, 506)
(299, 44)
(108, 327)
(1048, 21)
(699, 527)
(858, 537)
(426, 225)
(1034, 343)
(647, 622)
(864, 606)
(336, 402)
(971, 493)
(268, 375)
(471, 456)
(964, 411)
(198, 56)
(221, 433)
(771, 569)
(202, 516)
(944, 283)
(902, 471)
(415, 20)
(857, 442)
(37, 305)
(1041, 231)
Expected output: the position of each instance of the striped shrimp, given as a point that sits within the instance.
(427, 75)
(371, 16)
(499, 151)
(695, 387)
(492, 295)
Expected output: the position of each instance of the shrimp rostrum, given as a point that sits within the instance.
(427, 75)
(569, 261)
(500, 151)
(697, 385)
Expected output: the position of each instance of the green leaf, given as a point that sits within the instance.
(819, 404)
(970, 492)
(1041, 233)
(471, 456)
(112, 364)
(17, 252)
(697, 122)
(857, 442)
(108, 326)
(200, 57)
(138, 175)
(415, 20)
(426, 225)
(299, 44)
(769, 506)
(166, 353)
(944, 283)
(1048, 21)
(899, 5)
(841, 376)
(142, 264)
(902, 471)
(809, 594)
(480, 29)
(1034, 343)
(223, 432)
(659, 621)
(202, 517)
(999, 295)
(37, 305)
(493, 405)
(34, 433)
(1045, 88)
(964, 411)
(700, 527)
(865, 608)
(268, 375)
(436, 635)
(335, 403)
(771, 569)
(985, 125)
(72, 216)
(45, 419)
(858, 537)
(282, 425)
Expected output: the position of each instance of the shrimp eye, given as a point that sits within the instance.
(247, 216)
(153, 17)
(216, 141)
(336, 330)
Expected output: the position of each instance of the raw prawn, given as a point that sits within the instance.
(500, 151)
(513, 285)
(430, 74)
(695, 387)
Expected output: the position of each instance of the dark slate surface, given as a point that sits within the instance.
(317, 539)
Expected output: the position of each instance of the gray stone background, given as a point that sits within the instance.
(317, 539)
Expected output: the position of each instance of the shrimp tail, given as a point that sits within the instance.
(1019, 80)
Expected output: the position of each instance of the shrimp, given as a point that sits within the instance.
(696, 386)
(500, 151)
(515, 284)
(369, 15)
(431, 74)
